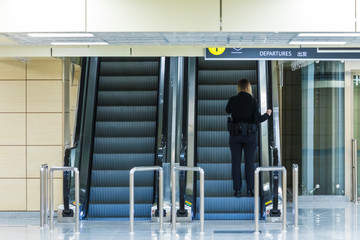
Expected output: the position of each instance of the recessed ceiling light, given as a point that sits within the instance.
(59, 35)
(329, 35)
(315, 43)
(78, 43)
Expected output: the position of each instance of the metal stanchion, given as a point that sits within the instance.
(77, 184)
(131, 193)
(256, 200)
(354, 170)
(295, 171)
(43, 195)
(173, 215)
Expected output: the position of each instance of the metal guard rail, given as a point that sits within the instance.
(131, 193)
(173, 214)
(256, 197)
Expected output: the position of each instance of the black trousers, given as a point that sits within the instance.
(237, 144)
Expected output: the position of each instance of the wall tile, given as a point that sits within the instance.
(12, 129)
(13, 194)
(13, 161)
(44, 70)
(12, 96)
(37, 155)
(44, 129)
(33, 194)
(12, 70)
(44, 96)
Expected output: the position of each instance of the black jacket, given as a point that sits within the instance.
(244, 108)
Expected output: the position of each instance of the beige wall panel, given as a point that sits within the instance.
(33, 194)
(44, 70)
(12, 129)
(44, 129)
(42, 16)
(38, 155)
(104, 51)
(13, 162)
(44, 96)
(12, 96)
(155, 15)
(168, 51)
(288, 16)
(22, 52)
(12, 70)
(72, 123)
(13, 194)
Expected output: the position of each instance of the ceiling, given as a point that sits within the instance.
(206, 39)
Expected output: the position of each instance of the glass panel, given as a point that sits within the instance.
(356, 81)
(323, 128)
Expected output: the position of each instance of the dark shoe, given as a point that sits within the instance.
(250, 193)
(237, 193)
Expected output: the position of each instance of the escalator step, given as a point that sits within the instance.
(216, 92)
(127, 98)
(133, 113)
(220, 188)
(226, 65)
(213, 155)
(220, 171)
(228, 204)
(124, 161)
(125, 129)
(216, 77)
(120, 178)
(120, 195)
(128, 83)
(212, 107)
(212, 123)
(140, 68)
(118, 210)
(124, 145)
(213, 139)
(227, 216)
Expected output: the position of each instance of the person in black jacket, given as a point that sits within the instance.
(245, 114)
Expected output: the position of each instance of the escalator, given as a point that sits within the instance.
(216, 83)
(121, 133)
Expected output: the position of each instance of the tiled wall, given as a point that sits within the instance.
(31, 129)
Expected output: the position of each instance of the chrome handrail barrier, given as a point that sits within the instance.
(295, 183)
(131, 193)
(43, 195)
(173, 197)
(256, 197)
(354, 170)
(77, 187)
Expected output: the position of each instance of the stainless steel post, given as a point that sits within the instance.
(284, 190)
(77, 197)
(131, 199)
(51, 186)
(295, 171)
(256, 194)
(43, 194)
(173, 198)
(131, 193)
(354, 168)
(256, 200)
(77, 201)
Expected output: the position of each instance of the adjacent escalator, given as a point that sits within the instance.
(124, 136)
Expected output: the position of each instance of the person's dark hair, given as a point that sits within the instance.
(244, 85)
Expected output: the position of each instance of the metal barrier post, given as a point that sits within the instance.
(43, 195)
(295, 170)
(173, 198)
(256, 197)
(131, 193)
(354, 170)
(77, 184)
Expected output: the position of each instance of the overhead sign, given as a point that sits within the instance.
(282, 53)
